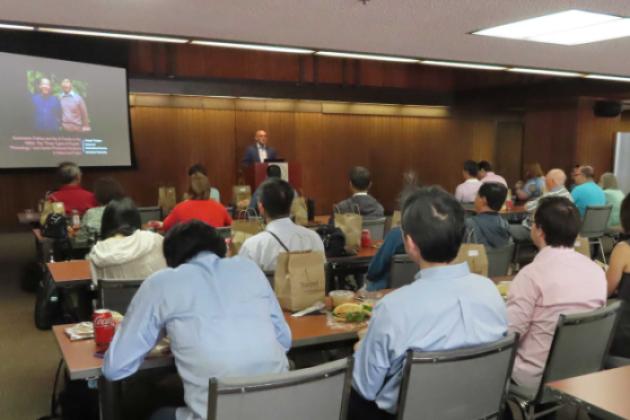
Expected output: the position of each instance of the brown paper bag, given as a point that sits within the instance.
(582, 246)
(476, 257)
(49, 208)
(396, 219)
(167, 198)
(299, 212)
(351, 224)
(241, 195)
(243, 229)
(300, 280)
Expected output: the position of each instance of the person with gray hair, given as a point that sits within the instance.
(70, 192)
(586, 192)
(614, 197)
(554, 185)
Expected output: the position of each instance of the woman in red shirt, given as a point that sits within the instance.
(198, 207)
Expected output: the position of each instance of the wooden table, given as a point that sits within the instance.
(70, 273)
(28, 217)
(604, 393)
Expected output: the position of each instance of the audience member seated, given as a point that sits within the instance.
(105, 190)
(273, 171)
(199, 169)
(488, 227)
(485, 173)
(467, 190)
(361, 201)
(281, 234)
(554, 183)
(380, 265)
(614, 197)
(618, 277)
(534, 185)
(586, 192)
(125, 252)
(198, 207)
(70, 192)
(445, 308)
(558, 281)
(220, 314)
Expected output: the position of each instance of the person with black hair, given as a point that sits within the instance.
(69, 190)
(220, 314)
(281, 234)
(488, 227)
(446, 307)
(273, 172)
(125, 252)
(618, 278)
(259, 152)
(106, 189)
(558, 281)
(467, 190)
(200, 169)
(485, 174)
(361, 200)
(198, 206)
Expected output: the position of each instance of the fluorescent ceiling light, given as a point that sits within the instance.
(545, 72)
(572, 27)
(463, 65)
(115, 35)
(16, 27)
(604, 77)
(618, 28)
(367, 57)
(253, 47)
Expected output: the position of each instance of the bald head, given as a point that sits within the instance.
(555, 178)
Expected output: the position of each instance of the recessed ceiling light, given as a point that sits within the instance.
(545, 72)
(367, 57)
(258, 47)
(619, 28)
(463, 65)
(16, 27)
(571, 27)
(115, 35)
(605, 77)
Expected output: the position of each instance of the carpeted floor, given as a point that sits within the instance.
(29, 356)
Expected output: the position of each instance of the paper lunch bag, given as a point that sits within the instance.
(476, 257)
(243, 229)
(300, 279)
(351, 224)
(299, 212)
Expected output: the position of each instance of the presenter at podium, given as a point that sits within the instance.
(259, 152)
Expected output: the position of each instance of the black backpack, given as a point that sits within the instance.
(334, 241)
(56, 228)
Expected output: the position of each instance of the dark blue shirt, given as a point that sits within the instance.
(46, 112)
(378, 271)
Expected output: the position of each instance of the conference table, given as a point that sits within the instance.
(310, 331)
(603, 394)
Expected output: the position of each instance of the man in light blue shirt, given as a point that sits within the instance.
(215, 312)
(446, 307)
(586, 192)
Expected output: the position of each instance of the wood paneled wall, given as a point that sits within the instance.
(168, 140)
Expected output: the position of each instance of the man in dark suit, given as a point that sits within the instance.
(259, 152)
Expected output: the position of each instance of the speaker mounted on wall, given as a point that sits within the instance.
(607, 109)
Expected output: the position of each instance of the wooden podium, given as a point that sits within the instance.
(256, 174)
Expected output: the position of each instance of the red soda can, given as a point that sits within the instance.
(104, 329)
(366, 239)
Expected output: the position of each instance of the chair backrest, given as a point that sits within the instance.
(402, 271)
(467, 383)
(117, 294)
(376, 227)
(580, 344)
(317, 393)
(499, 260)
(150, 213)
(595, 221)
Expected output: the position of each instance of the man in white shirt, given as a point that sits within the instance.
(466, 192)
(281, 234)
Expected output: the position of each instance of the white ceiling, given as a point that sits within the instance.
(418, 28)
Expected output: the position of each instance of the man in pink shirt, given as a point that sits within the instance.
(558, 281)
(466, 192)
(485, 173)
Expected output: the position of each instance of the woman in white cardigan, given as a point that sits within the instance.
(125, 252)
